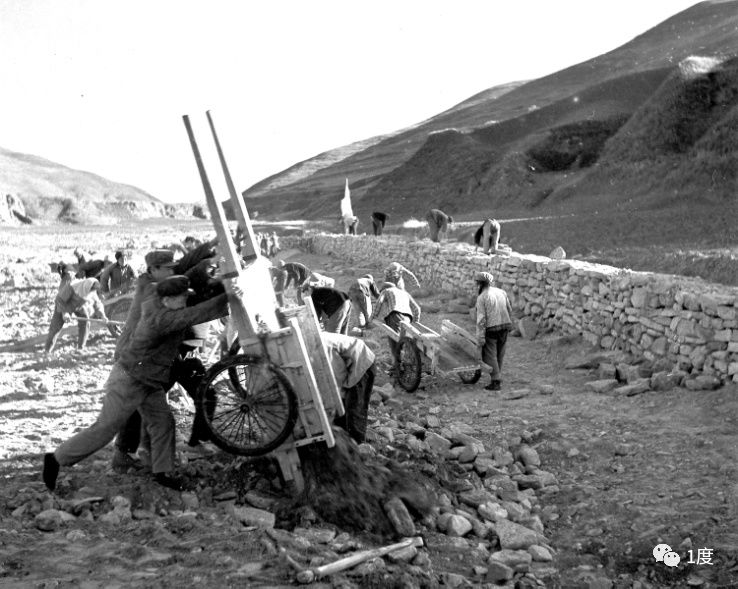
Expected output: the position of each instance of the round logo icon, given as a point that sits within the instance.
(671, 559)
(660, 550)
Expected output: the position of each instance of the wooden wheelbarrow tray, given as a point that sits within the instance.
(453, 351)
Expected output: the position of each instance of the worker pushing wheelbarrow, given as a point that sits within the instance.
(416, 348)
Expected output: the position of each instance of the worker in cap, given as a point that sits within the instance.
(396, 274)
(494, 322)
(160, 264)
(140, 379)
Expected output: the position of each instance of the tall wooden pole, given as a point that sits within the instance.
(250, 249)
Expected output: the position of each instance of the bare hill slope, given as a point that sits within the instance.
(34, 189)
(521, 146)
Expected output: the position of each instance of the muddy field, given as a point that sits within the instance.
(632, 472)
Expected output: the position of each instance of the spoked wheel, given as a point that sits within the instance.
(249, 405)
(117, 311)
(470, 376)
(411, 365)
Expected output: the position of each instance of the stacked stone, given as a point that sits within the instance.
(494, 508)
(690, 323)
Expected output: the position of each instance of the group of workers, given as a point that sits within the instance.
(268, 244)
(487, 236)
(156, 348)
(82, 295)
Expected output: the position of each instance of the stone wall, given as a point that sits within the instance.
(689, 323)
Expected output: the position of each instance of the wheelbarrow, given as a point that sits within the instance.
(422, 349)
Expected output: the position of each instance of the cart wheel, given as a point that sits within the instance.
(249, 405)
(470, 376)
(117, 312)
(411, 365)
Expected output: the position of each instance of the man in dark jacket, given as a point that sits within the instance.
(378, 222)
(137, 382)
(160, 264)
(332, 306)
(117, 277)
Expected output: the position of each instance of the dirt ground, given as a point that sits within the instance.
(633, 472)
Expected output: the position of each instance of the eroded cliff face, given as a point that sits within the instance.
(12, 211)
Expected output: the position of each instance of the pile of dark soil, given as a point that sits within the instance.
(349, 489)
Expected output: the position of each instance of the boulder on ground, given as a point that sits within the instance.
(528, 328)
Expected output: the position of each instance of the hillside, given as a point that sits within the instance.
(548, 143)
(33, 189)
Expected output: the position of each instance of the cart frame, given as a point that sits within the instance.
(453, 351)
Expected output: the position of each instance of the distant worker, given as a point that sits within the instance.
(494, 322)
(353, 367)
(394, 307)
(273, 244)
(297, 273)
(488, 236)
(396, 273)
(86, 266)
(78, 296)
(350, 224)
(332, 306)
(378, 222)
(117, 277)
(361, 292)
(438, 223)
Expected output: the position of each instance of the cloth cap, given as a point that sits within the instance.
(174, 286)
(119, 254)
(369, 276)
(484, 277)
(160, 258)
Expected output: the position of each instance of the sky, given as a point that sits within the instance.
(101, 85)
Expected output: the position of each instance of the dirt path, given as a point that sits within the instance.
(633, 472)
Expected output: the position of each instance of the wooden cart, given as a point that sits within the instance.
(279, 392)
(453, 351)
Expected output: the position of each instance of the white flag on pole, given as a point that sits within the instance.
(346, 209)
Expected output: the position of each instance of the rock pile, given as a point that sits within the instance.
(488, 496)
(486, 501)
(620, 375)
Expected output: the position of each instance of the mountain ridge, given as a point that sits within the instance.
(391, 174)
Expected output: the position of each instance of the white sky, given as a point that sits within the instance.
(101, 85)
